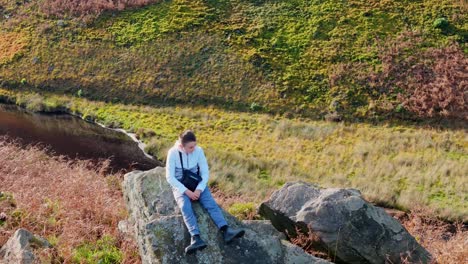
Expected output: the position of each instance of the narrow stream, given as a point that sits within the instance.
(73, 137)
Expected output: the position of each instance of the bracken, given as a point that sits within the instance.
(69, 202)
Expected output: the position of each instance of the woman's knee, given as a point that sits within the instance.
(210, 204)
(184, 203)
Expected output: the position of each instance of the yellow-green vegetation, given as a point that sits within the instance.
(102, 251)
(243, 210)
(404, 166)
(8, 198)
(6, 201)
(273, 56)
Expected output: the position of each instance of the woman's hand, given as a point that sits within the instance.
(192, 195)
(197, 193)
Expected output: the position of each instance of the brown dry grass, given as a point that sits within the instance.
(310, 242)
(463, 5)
(68, 201)
(11, 45)
(429, 82)
(447, 242)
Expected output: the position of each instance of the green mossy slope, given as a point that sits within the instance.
(277, 56)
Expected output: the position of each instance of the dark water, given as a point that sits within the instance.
(73, 137)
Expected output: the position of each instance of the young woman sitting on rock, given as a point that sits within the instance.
(186, 155)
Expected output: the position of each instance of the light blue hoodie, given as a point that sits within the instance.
(190, 161)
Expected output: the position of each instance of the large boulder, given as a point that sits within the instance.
(353, 230)
(157, 225)
(19, 248)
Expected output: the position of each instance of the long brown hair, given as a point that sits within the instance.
(187, 136)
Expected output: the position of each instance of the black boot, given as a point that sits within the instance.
(230, 233)
(196, 244)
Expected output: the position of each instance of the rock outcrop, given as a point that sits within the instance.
(19, 248)
(157, 225)
(352, 229)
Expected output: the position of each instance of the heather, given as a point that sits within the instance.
(87, 9)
